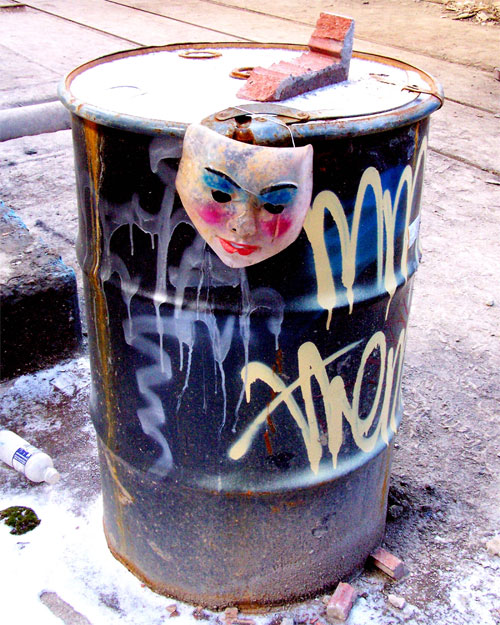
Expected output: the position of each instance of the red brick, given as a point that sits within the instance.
(389, 563)
(341, 602)
(313, 60)
(230, 615)
(327, 62)
(172, 609)
(332, 26)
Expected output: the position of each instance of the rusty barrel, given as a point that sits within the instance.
(245, 415)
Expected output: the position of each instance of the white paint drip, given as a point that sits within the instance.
(198, 268)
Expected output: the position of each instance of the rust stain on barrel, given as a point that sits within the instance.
(93, 147)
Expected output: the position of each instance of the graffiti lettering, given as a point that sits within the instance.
(386, 214)
(366, 431)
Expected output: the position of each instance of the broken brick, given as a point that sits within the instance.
(199, 614)
(230, 615)
(173, 610)
(389, 563)
(326, 63)
(341, 602)
(332, 34)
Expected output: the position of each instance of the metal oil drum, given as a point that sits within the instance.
(245, 416)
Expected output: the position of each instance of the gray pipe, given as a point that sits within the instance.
(35, 119)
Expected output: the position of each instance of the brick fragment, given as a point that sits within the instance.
(199, 614)
(341, 602)
(230, 615)
(332, 34)
(389, 563)
(327, 62)
(172, 609)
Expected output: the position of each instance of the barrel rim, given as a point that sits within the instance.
(420, 107)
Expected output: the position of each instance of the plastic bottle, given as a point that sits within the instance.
(36, 465)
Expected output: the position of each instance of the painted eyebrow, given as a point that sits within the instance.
(224, 176)
(278, 187)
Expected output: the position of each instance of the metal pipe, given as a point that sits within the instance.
(35, 119)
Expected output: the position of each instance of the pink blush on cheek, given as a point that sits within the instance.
(276, 227)
(211, 214)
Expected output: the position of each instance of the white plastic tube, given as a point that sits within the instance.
(36, 465)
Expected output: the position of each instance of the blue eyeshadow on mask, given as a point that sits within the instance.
(219, 181)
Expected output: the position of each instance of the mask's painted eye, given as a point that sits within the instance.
(274, 209)
(220, 196)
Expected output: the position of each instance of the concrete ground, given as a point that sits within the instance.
(444, 499)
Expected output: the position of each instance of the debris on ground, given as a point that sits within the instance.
(389, 563)
(199, 614)
(230, 615)
(396, 601)
(493, 546)
(480, 12)
(62, 609)
(20, 518)
(341, 602)
(172, 610)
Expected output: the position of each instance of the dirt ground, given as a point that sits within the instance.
(444, 500)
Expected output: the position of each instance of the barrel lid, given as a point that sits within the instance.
(164, 89)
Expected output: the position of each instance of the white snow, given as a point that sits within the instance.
(67, 555)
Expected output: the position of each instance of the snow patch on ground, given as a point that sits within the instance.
(38, 390)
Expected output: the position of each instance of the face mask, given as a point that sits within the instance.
(247, 202)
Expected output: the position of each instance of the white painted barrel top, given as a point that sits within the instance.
(162, 84)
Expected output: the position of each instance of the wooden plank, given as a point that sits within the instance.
(148, 29)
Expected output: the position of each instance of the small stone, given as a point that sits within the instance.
(389, 563)
(395, 511)
(230, 615)
(199, 614)
(493, 546)
(341, 602)
(287, 620)
(396, 601)
(173, 610)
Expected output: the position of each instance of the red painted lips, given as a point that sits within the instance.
(241, 248)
